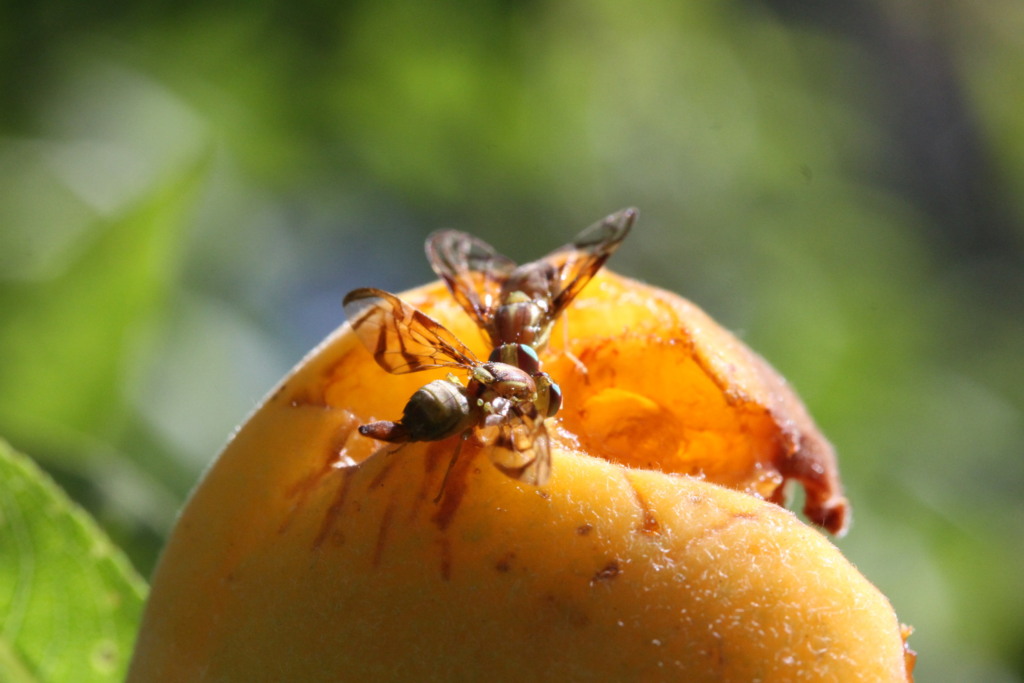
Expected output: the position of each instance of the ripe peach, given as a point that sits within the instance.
(309, 552)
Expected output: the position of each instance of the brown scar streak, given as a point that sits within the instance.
(302, 488)
(385, 469)
(334, 511)
(307, 396)
(649, 524)
(455, 488)
(446, 558)
(727, 521)
(425, 490)
(607, 572)
(382, 532)
(433, 457)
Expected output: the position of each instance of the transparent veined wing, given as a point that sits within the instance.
(473, 270)
(402, 338)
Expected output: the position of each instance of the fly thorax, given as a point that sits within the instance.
(510, 382)
(521, 322)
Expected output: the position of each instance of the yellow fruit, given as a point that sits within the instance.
(299, 557)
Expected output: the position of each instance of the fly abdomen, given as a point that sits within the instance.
(385, 430)
(436, 411)
(522, 322)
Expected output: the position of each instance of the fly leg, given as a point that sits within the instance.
(569, 354)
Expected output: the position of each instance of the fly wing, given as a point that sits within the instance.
(578, 261)
(521, 448)
(473, 270)
(402, 338)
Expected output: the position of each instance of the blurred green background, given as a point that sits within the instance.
(188, 189)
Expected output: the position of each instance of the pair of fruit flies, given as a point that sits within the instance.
(505, 400)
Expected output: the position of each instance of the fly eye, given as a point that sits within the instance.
(526, 358)
(521, 356)
(554, 399)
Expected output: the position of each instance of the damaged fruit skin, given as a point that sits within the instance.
(290, 562)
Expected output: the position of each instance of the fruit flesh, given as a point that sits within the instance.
(659, 368)
(293, 562)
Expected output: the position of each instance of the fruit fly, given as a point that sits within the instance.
(503, 403)
(519, 304)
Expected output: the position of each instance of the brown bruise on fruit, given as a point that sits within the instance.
(458, 480)
(336, 454)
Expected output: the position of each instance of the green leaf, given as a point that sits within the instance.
(69, 601)
(69, 340)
